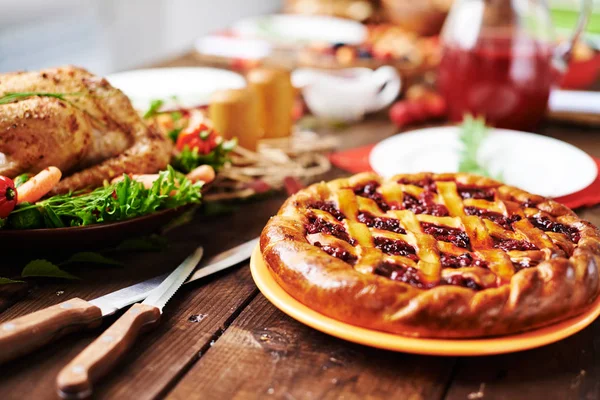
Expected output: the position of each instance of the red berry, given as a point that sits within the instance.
(417, 110)
(399, 114)
(436, 106)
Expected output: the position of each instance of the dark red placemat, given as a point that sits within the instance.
(357, 160)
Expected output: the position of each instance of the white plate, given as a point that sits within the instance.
(535, 163)
(192, 86)
(301, 28)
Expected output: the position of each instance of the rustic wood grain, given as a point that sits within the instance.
(25, 334)
(565, 370)
(264, 354)
(160, 357)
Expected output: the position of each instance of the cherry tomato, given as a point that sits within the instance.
(202, 138)
(8, 196)
(436, 106)
(399, 114)
(417, 111)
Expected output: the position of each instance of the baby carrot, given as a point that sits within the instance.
(203, 173)
(38, 186)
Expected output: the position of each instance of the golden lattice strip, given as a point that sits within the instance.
(562, 241)
(499, 263)
(346, 203)
(481, 276)
(451, 222)
(408, 220)
(399, 260)
(533, 234)
(497, 231)
(391, 193)
(368, 205)
(452, 201)
(529, 258)
(494, 206)
(477, 232)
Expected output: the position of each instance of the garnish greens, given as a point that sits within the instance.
(118, 201)
(188, 159)
(155, 105)
(14, 96)
(473, 133)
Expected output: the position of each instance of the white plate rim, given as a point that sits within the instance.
(378, 150)
(114, 78)
(240, 27)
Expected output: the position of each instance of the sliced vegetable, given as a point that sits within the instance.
(189, 158)
(8, 196)
(38, 186)
(21, 179)
(30, 218)
(204, 173)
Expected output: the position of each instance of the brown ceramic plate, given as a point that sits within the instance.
(90, 236)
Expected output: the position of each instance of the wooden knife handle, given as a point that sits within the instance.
(76, 379)
(24, 334)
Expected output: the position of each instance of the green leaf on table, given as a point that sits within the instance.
(6, 281)
(91, 257)
(45, 269)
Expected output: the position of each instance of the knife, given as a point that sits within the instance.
(26, 333)
(76, 378)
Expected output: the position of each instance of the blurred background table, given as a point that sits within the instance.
(221, 339)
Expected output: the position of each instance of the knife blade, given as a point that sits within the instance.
(26, 333)
(75, 380)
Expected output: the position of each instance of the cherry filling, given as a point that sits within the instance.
(446, 234)
(413, 277)
(396, 247)
(369, 190)
(428, 184)
(505, 222)
(329, 207)
(388, 224)
(404, 274)
(464, 260)
(477, 193)
(338, 252)
(319, 225)
(424, 204)
(547, 225)
(513, 244)
(459, 280)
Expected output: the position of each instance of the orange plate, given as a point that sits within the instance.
(439, 347)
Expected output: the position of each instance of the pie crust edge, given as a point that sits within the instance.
(554, 290)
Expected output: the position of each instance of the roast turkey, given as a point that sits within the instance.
(92, 134)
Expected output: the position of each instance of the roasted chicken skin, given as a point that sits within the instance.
(92, 135)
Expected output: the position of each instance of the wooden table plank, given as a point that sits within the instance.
(163, 355)
(265, 353)
(569, 369)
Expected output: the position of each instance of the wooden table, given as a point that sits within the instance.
(221, 339)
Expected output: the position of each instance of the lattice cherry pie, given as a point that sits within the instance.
(449, 255)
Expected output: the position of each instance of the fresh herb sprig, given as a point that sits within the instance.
(11, 97)
(473, 133)
(117, 202)
(189, 159)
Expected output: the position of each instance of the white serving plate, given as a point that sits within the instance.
(285, 28)
(192, 86)
(535, 163)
